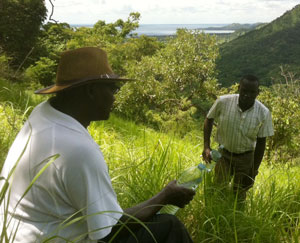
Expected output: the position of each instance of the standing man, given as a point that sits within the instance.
(243, 123)
(73, 199)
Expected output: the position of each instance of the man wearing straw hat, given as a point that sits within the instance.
(73, 199)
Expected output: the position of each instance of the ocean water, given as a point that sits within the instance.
(170, 29)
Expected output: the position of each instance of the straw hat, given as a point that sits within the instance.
(81, 66)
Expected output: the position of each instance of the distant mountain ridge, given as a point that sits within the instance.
(262, 51)
(236, 26)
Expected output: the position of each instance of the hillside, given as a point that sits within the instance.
(236, 26)
(262, 51)
(141, 161)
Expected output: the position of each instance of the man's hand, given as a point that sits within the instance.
(171, 194)
(206, 155)
(177, 195)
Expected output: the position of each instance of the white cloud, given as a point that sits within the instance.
(175, 11)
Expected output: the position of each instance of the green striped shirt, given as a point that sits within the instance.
(237, 131)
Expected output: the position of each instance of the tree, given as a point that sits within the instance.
(122, 45)
(105, 34)
(53, 39)
(173, 83)
(118, 31)
(20, 23)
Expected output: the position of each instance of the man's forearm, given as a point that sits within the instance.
(171, 194)
(141, 212)
(208, 125)
(147, 209)
(259, 152)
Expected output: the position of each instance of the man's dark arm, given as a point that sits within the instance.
(259, 153)
(208, 125)
(171, 194)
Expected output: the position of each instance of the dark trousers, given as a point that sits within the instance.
(238, 166)
(165, 228)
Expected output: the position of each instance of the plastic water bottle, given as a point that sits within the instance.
(191, 178)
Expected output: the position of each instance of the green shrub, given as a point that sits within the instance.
(283, 99)
(173, 83)
(43, 72)
(6, 72)
(4, 67)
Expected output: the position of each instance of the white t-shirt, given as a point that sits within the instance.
(237, 131)
(76, 184)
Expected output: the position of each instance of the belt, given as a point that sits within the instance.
(238, 154)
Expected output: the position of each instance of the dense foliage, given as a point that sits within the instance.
(20, 23)
(283, 99)
(175, 78)
(262, 51)
(116, 38)
(173, 84)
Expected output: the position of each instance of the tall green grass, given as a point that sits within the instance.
(16, 103)
(141, 161)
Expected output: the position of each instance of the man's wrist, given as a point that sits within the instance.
(163, 196)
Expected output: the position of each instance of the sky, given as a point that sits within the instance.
(170, 11)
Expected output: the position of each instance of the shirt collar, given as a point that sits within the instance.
(61, 118)
(239, 108)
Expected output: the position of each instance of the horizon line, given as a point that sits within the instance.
(176, 24)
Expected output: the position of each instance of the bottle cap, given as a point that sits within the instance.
(202, 166)
(215, 155)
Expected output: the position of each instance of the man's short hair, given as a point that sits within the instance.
(250, 78)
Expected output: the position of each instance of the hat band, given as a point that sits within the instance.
(75, 81)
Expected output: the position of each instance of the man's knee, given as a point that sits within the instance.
(169, 219)
(173, 228)
(244, 180)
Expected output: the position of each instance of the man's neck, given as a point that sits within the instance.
(245, 108)
(71, 110)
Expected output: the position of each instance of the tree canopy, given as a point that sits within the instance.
(20, 23)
